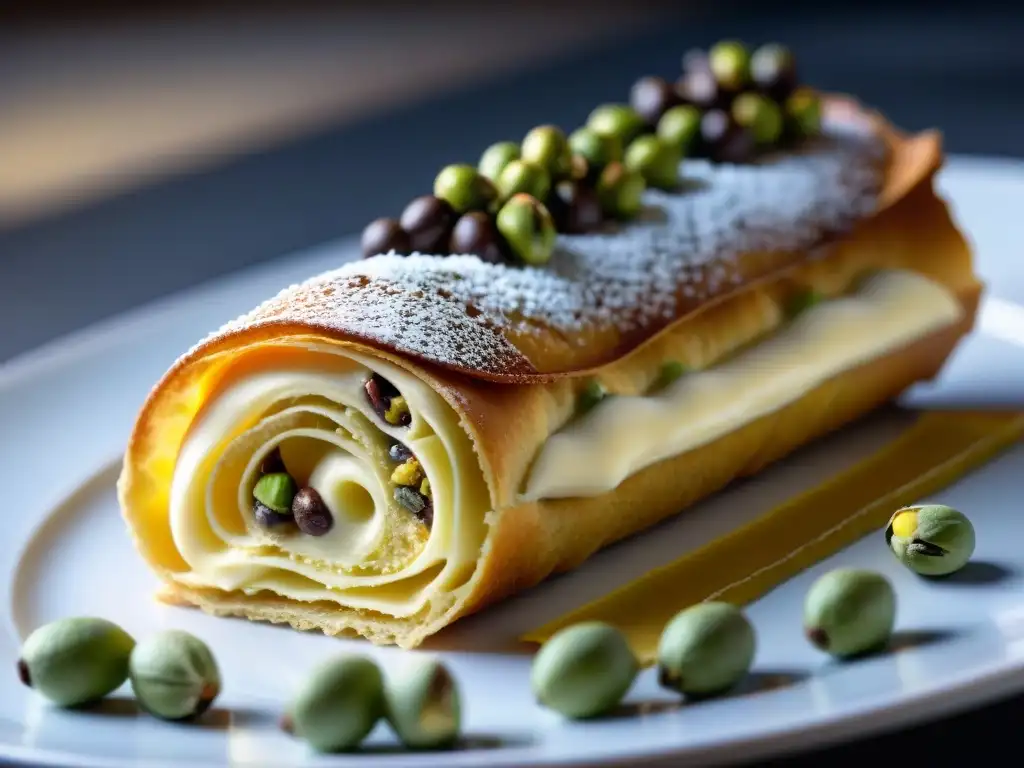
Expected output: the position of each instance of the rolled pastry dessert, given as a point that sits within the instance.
(406, 439)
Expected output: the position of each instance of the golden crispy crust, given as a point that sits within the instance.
(529, 542)
(509, 421)
(594, 303)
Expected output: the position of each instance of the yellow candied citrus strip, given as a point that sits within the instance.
(939, 448)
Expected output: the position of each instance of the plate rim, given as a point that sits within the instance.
(953, 695)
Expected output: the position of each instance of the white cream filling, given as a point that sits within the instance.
(623, 435)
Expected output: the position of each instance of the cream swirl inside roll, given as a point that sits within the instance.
(378, 554)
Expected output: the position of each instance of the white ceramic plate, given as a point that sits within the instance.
(66, 409)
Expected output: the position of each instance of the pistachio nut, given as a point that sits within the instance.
(275, 491)
(760, 115)
(496, 157)
(338, 705)
(524, 176)
(803, 113)
(547, 147)
(654, 159)
(669, 373)
(618, 120)
(620, 191)
(583, 670)
(174, 675)
(803, 300)
(75, 661)
(729, 61)
(931, 539)
(598, 149)
(528, 229)
(680, 127)
(464, 188)
(705, 649)
(422, 704)
(592, 393)
(849, 612)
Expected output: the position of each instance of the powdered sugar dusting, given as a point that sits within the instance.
(685, 248)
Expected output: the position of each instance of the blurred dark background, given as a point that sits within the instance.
(148, 147)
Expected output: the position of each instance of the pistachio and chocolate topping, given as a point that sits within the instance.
(729, 105)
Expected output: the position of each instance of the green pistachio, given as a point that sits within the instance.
(618, 120)
(338, 705)
(397, 412)
(276, 491)
(174, 675)
(729, 61)
(409, 472)
(75, 661)
(580, 169)
(528, 229)
(423, 705)
(464, 188)
(620, 191)
(931, 539)
(425, 488)
(593, 392)
(849, 611)
(705, 649)
(803, 113)
(759, 115)
(547, 146)
(680, 127)
(656, 160)
(669, 373)
(598, 149)
(583, 670)
(524, 176)
(496, 157)
(802, 301)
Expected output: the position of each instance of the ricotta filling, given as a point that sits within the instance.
(623, 435)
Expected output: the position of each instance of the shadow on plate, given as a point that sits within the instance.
(765, 680)
(468, 743)
(758, 681)
(907, 639)
(978, 573)
(217, 719)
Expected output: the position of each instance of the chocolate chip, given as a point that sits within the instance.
(576, 208)
(268, 518)
(428, 221)
(415, 502)
(311, 513)
(399, 453)
(383, 235)
(379, 391)
(773, 71)
(699, 87)
(476, 233)
(272, 463)
(724, 140)
(651, 97)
